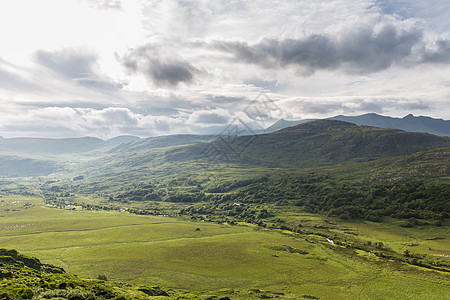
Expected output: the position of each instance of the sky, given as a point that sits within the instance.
(105, 68)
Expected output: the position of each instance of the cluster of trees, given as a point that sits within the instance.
(405, 200)
(227, 212)
(146, 193)
(418, 203)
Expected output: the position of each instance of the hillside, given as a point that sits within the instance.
(321, 142)
(408, 123)
(122, 139)
(162, 142)
(411, 186)
(316, 143)
(26, 277)
(281, 124)
(43, 146)
(15, 166)
(188, 212)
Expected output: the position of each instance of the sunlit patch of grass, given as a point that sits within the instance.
(173, 253)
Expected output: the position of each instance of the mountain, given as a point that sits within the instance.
(281, 124)
(14, 166)
(50, 146)
(408, 123)
(321, 142)
(163, 142)
(123, 139)
(330, 141)
(315, 143)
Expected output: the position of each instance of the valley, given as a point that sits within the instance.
(321, 210)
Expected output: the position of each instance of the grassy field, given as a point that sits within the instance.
(425, 240)
(174, 254)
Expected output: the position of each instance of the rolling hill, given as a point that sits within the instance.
(315, 143)
(43, 146)
(15, 166)
(408, 123)
(321, 142)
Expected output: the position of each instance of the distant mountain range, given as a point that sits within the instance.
(315, 143)
(309, 144)
(408, 123)
(59, 146)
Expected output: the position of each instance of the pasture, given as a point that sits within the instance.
(206, 257)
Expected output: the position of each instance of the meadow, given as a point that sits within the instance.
(203, 258)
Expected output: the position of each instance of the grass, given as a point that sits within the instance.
(172, 253)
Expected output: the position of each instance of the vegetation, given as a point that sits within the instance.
(282, 211)
(26, 277)
(171, 253)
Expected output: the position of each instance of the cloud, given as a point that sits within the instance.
(109, 122)
(78, 65)
(363, 50)
(210, 117)
(13, 78)
(106, 4)
(158, 67)
(75, 122)
(439, 52)
(161, 70)
(171, 73)
(69, 62)
(331, 106)
(435, 13)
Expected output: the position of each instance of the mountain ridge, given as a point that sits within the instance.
(315, 143)
(320, 142)
(408, 123)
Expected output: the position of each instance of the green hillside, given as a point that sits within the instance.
(408, 123)
(329, 142)
(24, 277)
(282, 210)
(321, 142)
(162, 142)
(50, 146)
(316, 143)
(15, 166)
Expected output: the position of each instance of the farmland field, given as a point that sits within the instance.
(206, 257)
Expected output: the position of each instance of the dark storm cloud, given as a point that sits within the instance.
(170, 73)
(363, 50)
(160, 70)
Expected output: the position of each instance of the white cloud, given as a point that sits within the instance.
(159, 67)
(210, 117)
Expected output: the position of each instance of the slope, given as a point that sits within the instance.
(26, 277)
(408, 123)
(15, 166)
(41, 146)
(323, 142)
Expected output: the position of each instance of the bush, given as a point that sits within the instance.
(102, 277)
